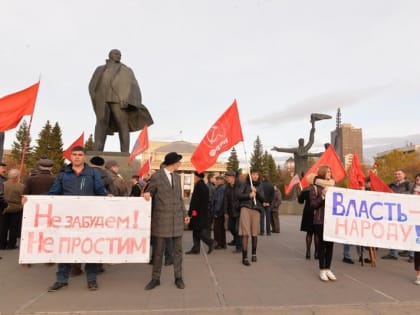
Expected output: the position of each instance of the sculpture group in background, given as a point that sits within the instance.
(117, 102)
(301, 152)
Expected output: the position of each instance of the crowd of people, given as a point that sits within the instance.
(246, 205)
(313, 198)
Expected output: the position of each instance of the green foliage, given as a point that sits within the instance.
(19, 143)
(50, 142)
(89, 143)
(396, 159)
(257, 156)
(233, 161)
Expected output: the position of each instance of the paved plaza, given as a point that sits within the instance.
(281, 282)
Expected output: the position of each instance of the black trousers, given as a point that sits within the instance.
(219, 231)
(233, 226)
(201, 235)
(325, 249)
(9, 229)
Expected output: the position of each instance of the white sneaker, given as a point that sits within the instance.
(417, 281)
(323, 275)
(330, 275)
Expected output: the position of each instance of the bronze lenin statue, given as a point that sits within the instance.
(117, 102)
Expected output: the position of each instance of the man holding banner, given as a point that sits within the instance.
(77, 179)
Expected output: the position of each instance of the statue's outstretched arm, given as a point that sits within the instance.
(286, 150)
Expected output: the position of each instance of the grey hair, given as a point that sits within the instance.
(13, 173)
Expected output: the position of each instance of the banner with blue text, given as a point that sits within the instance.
(373, 219)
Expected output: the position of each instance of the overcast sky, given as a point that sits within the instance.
(281, 60)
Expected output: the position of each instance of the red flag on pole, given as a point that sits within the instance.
(330, 158)
(293, 182)
(141, 145)
(144, 169)
(224, 134)
(79, 141)
(14, 106)
(376, 184)
(357, 178)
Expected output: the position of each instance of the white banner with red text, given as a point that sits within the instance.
(373, 219)
(80, 229)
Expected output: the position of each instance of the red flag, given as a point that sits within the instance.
(330, 158)
(79, 141)
(376, 184)
(144, 169)
(357, 178)
(293, 182)
(224, 134)
(14, 106)
(141, 145)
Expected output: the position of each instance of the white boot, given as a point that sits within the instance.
(330, 275)
(323, 275)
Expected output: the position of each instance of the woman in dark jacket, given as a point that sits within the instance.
(307, 222)
(251, 197)
(317, 201)
(199, 214)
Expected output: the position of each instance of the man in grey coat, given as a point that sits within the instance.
(168, 217)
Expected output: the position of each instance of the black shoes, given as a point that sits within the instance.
(57, 286)
(245, 262)
(348, 260)
(388, 256)
(308, 254)
(254, 258)
(231, 243)
(152, 284)
(365, 260)
(192, 252)
(169, 262)
(93, 285)
(179, 283)
(211, 247)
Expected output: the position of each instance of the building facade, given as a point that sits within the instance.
(347, 139)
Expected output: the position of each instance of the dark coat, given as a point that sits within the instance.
(39, 184)
(248, 202)
(168, 210)
(307, 222)
(199, 211)
(231, 202)
(127, 91)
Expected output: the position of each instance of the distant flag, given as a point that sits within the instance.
(224, 134)
(293, 182)
(331, 159)
(14, 106)
(376, 184)
(144, 169)
(78, 142)
(356, 176)
(141, 145)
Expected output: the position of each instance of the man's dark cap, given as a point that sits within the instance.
(230, 173)
(97, 160)
(172, 158)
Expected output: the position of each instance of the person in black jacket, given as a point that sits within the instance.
(265, 218)
(232, 208)
(199, 214)
(251, 197)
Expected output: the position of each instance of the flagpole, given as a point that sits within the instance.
(25, 146)
(249, 170)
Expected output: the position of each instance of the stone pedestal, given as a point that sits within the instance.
(126, 170)
(291, 207)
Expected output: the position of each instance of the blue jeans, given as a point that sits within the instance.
(346, 251)
(63, 272)
(266, 211)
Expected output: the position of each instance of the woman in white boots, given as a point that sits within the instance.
(320, 184)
